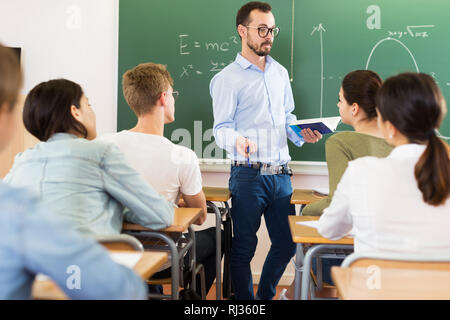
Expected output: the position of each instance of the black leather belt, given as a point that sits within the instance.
(264, 167)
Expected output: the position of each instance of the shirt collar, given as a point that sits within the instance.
(245, 64)
(407, 151)
(62, 136)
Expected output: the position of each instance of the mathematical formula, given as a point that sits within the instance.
(190, 46)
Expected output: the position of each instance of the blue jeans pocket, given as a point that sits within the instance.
(246, 174)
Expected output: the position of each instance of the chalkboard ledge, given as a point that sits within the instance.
(314, 168)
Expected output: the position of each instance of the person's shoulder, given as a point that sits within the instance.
(182, 155)
(232, 69)
(17, 199)
(364, 164)
(342, 138)
(278, 66)
(352, 139)
(185, 151)
(117, 138)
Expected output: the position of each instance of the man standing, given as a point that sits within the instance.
(252, 104)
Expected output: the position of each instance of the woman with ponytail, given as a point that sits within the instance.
(398, 204)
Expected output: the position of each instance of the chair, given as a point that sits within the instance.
(394, 276)
(199, 270)
(178, 247)
(120, 242)
(397, 261)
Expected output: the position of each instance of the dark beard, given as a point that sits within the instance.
(260, 52)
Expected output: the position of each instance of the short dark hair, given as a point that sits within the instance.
(361, 86)
(47, 109)
(10, 77)
(243, 14)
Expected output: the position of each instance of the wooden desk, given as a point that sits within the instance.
(305, 196)
(394, 284)
(182, 219)
(219, 194)
(307, 235)
(149, 263)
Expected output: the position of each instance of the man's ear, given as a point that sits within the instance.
(242, 30)
(75, 112)
(163, 98)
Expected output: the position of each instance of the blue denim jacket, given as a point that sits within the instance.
(89, 183)
(34, 240)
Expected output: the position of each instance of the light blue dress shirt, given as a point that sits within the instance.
(34, 240)
(255, 104)
(89, 183)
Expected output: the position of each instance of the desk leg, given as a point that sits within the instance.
(193, 259)
(218, 248)
(299, 257)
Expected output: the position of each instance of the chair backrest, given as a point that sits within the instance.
(390, 261)
(120, 242)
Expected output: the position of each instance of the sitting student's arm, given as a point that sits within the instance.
(190, 179)
(337, 161)
(147, 207)
(197, 201)
(336, 220)
(79, 265)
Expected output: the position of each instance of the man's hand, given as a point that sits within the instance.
(243, 144)
(311, 137)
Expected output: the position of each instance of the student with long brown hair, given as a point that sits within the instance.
(398, 204)
(357, 108)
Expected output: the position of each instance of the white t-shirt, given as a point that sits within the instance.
(169, 168)
(380, 199)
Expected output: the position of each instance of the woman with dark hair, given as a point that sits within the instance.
(86, 181)
(357, 109)
(398, 204)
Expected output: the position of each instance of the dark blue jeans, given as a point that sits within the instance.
(254, 194)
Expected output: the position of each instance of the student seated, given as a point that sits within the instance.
(173, 170)
(87, 182)
(357, 109)
(33, 240)
(399, 204)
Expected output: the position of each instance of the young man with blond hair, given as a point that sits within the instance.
(173, 170)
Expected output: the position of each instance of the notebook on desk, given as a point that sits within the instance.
(127, 259)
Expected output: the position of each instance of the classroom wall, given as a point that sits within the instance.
(78, 40)
(74, 39)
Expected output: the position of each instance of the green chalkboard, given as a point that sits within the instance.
(320, 41)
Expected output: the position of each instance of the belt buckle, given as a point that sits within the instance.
(266, 169)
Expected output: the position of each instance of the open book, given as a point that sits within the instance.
(323, 125)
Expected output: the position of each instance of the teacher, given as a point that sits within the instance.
(252, 105)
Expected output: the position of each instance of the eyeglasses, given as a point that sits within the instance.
(264, 31)
(174, 94)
